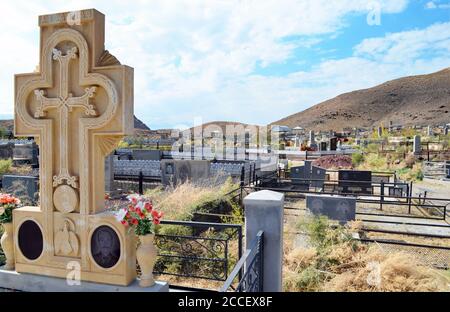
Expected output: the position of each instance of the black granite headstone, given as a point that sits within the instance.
(318, 177)
(355, 182)
(333, 144)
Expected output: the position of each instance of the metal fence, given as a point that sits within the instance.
(198, 250)
(431, 208)
(249, 271)
(431, 255)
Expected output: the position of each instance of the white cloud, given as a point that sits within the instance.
(431, 5)
(198, 57)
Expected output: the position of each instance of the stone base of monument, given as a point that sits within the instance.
(37, 283)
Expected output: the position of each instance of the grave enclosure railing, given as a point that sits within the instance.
(429, 208)
(249, 271)
(197, 250)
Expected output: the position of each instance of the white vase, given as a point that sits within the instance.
(7, 243)
(146, 256)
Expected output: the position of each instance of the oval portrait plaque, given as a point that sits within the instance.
(31, 242)
(105, 247)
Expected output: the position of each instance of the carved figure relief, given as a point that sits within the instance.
(66, 241)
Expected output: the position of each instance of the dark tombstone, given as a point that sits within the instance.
(105, 247)
(355, 182)
(124, 154)
(25, 154)
(333, 144)
(318, 177)
(147, 154)
(30, 240)
(395, 191)
(380, 179)
(323, 146)
(6, 150)
(308, 166)
(298, 178)
(340, 208)
(175, 172)
(24, 187)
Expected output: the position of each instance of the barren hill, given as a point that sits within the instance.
(415, 100)
(233, 127)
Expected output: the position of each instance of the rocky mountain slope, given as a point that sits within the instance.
(414, 100)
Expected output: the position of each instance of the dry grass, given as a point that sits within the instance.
(333, 261)
(180, 202)
(374, 270)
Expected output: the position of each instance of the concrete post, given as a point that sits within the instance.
(264, 212)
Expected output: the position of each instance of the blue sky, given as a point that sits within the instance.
(247, 61)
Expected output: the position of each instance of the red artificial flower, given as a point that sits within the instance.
(148, 206)
(155, 214)
(156, 221)
(135, 221)
(138, 211)
(134, 200)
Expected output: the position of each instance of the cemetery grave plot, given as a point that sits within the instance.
(194, 255)
(429, 250)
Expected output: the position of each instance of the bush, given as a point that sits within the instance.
(357, 159)
(372, 148)
(376, 162)
(410, 161)
(5, 166)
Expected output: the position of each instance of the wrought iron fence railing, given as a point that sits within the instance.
(249, 271)
(198, 250)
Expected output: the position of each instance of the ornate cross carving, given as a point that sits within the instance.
(65, 103)
(55, 106)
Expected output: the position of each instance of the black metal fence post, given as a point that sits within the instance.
(410, 197)
(141, 183)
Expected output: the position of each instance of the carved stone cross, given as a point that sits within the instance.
(65, 103)
(78, 106)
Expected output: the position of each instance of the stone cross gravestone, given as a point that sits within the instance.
(77, 107)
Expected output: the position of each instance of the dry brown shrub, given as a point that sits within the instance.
(355, 226)
(300, 258)
(397, 273)
(410, 161)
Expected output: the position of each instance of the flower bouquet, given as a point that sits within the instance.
(141, 216)
(7, 204)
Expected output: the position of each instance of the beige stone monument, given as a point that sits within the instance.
(77, 106)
